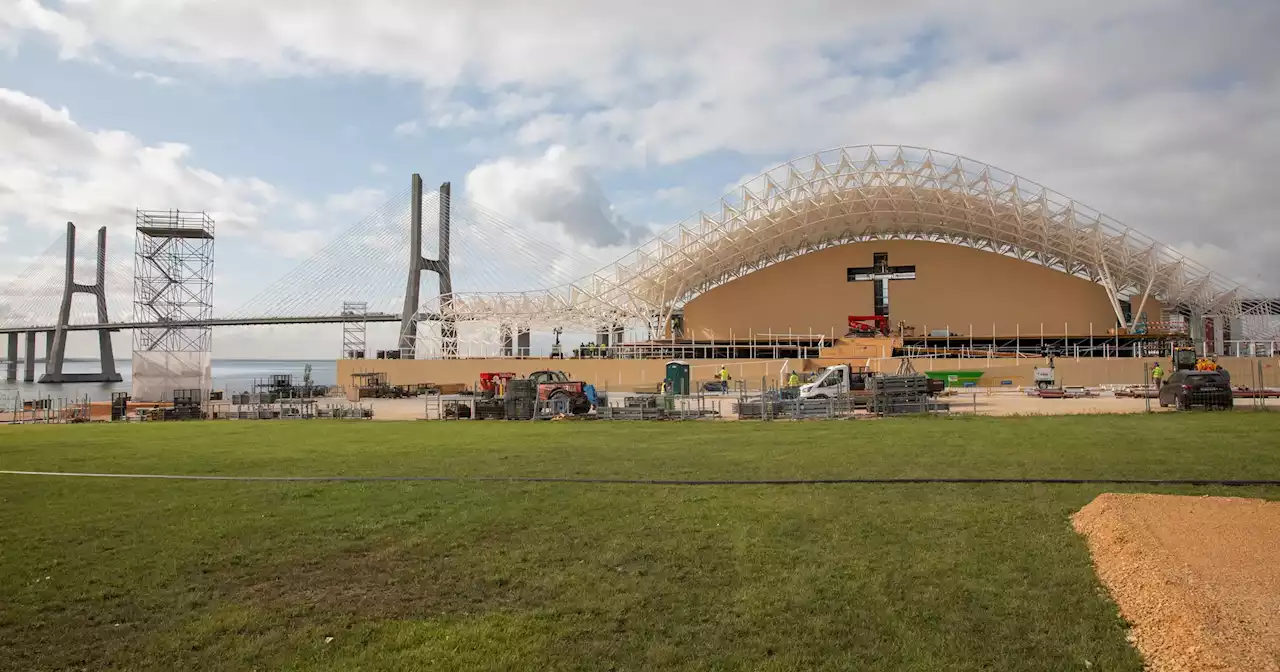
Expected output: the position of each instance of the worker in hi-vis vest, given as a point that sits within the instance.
(794, 380)
(1157, 375)
(724, 378)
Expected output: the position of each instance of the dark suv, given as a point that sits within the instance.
(1185, 389)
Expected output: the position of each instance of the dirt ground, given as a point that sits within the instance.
(1197, 577)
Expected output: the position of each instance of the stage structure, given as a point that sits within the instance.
(871, 193)
(173, 283)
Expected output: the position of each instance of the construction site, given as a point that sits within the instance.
(880, 260)
(790, 279)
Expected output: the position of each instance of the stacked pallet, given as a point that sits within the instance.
(520, 400)
(796, 409)
(629, 412)
(896, 395)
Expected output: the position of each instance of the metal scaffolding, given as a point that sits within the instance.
(173, 283)
(354, 329)
(864, 193)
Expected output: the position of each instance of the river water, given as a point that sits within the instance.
(231, 375)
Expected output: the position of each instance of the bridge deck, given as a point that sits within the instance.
(220, 322)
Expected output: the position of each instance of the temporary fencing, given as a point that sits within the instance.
(45, 410)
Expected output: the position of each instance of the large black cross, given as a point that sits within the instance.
(881, 272)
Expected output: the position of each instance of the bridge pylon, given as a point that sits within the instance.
(57, 354)
(440, 266)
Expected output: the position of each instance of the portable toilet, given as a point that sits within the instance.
(678, 374)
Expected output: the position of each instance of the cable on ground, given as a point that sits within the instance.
(659, 481)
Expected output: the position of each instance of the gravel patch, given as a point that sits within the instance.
(1198, 578)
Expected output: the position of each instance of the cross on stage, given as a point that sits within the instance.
(881, 273)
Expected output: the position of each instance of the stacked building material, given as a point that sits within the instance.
(630, 412)
(796, 409)
(521, 398)
(896, 395)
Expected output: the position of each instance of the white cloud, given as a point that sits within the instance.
(23, 15)
(296, 244)
(551, 190)
(377, 168)
(162, 80)
(359, 201)
(53, 170)
(1162, 113)
(407, 128)
(672, 194)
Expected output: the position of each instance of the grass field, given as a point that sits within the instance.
(145, 574)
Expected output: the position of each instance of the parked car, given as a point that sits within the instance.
(1185, 389)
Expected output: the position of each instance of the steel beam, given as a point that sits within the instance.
(219, 322)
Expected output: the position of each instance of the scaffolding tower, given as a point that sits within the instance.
(173, 286)
(355, 323)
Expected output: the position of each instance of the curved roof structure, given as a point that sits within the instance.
(863, 193)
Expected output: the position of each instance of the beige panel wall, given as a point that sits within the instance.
(955, 287)
(630, 375)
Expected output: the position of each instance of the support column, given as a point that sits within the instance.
(1197, 332)
(11, 359)
(409, 317)
(29, 359)
(48, 349)
(522, 341)
(1218, 340)
(53, 366)
(505, 336)
(443, 268)
(440, 266)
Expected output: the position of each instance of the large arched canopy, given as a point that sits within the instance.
(863, 193)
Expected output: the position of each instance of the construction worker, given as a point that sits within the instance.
(1157, 375)
(794, 380)
(724, 378)
(1215, 366)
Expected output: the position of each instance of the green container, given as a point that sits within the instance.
(955, 378)
(678, 374)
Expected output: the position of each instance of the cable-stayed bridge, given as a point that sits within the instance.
(493, 273)
(474, 253)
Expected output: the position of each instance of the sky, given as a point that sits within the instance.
(593, 125)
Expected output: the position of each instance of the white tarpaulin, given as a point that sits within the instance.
(157, 374)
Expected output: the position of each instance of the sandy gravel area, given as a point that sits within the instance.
(1197, 577)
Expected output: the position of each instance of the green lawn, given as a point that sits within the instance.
(144, 574)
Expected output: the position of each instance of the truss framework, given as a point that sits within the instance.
(173, 280)
(865, 193)
(355, 325)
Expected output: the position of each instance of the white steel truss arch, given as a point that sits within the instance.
(865, 193)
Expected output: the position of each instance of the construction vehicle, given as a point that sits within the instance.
(1184, 357)
(494, 384)
(845, 379)
(836, 381)
(868, 325)
(557, 385)
(1045, 377)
